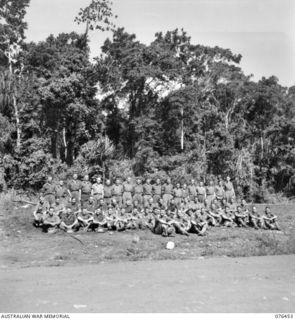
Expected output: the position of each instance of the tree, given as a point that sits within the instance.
(12, 28)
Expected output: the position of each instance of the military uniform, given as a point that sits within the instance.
(49, 192)
(192, 191)
(74, 188)
(210, 194)
(117, 192)
(86, 187)
(138, 191)
(157, 192)
(167, 191)
(61, 192)
(127, 192)
(201, 194)
(229, 191)
(177, 196)
(147, 193)
(97, 191)
(219, 192)
(108, 193)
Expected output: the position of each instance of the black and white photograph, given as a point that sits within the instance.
(147, 158)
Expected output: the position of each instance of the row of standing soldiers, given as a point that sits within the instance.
(139, 192)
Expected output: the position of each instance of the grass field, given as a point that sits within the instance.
(22, 245)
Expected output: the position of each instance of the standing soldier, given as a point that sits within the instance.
(48, 191)
(74, 188)
(157, 191)
(185, 192)
(219, 191)
(210, 192)
(61, 192)
(86, 188)
(229, 190)
(108, 192)
(167, 192)
(147, 191)
(97, 191)
(127, 191)
(117, 192)
(177, 192)
(201, 192)
(138, 191)
(192, 190)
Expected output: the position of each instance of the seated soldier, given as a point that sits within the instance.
(58, 206)
(39, 212)
(213, 216)
(85, 218)
(227, 218)
(244, 206)
(69, 221)
(270, 220)
(223, 203)
(241, 218)
(91, 205)
(51, 221)
(121, 221)
(205, 212)
(73, 205)
(128, 207)
(111, 217)
(255, 219)
(161, 226)
(132, 221)
(199, 224)
(180, 222)
(137, 205)
(99, 222)
(148, 219)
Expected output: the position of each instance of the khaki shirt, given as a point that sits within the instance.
(74, 185)
(138, 189)
(108, 191)
(192, 190)
(128, 187)
(117, 190)
(157, 189)
(147, 189)
(98, 188)
(86, 187)
(167, 189)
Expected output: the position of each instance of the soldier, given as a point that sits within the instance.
(270, 220)
(99, 223)
(127, 190)
(74, 187)
(51, 221)
(241, 219)
(229, 190)
(108, 192)
(157, 191)
(255, 219)
(167, 191)
(41, 208)
(147, 191)
(117, 192)
(69, 222)
(161, 226)
(210, 192)
(219, 191)
(102, 205)
(86, 189)
(192, 190)
(61, 192)
(73, 205)
(48, 191)
(58, 206)
(201, 192)
(138, 192)
(85, 218)
(185, 193)
(177, 192)
(227, 218)
(97, 190)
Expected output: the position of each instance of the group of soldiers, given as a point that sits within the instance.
(165, 209)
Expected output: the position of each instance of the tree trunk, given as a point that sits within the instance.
(14, 103)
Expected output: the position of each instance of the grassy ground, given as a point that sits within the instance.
(22, 245)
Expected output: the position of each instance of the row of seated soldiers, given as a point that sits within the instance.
(138, 191)
(190, 217)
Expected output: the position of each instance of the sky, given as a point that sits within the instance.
(262, 31)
